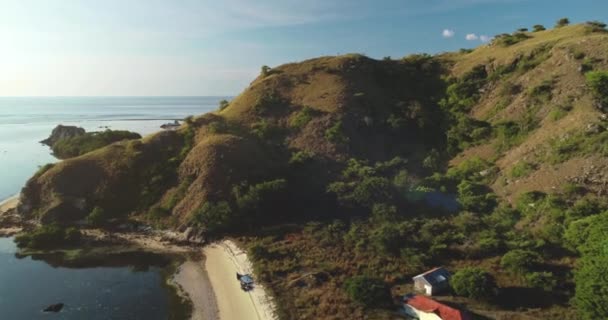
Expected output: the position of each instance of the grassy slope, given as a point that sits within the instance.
(569, 89)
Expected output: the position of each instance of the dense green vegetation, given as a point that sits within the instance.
(368, 291)
(48, 236)
(590, 275)
(79, 145)
(473, 283)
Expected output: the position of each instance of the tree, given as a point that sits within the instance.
(519, 261)
(595, 26)
(588, 235)
(522, 30)
(591, 291)
(224, 104)
(215, 217)
(562, 22)
(475, 197)
(97, 216)
(432, 160)
(538, 28)
(266, 71)
(474, 283)
(368, 291)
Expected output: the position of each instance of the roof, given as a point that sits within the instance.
(434, 276)
(428, 305)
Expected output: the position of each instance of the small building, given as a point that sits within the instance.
(423, 308)
(433, 281)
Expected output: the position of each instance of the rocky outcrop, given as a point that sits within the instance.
(63, 132)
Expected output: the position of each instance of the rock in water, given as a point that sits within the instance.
(62, 132)
(54, 307)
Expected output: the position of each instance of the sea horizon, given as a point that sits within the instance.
(24, 121)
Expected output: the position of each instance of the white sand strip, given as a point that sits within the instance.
(223, 261)
(192, 279)
(9, 203)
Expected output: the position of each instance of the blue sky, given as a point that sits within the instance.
(216, 47)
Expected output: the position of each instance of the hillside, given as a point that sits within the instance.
(339, 167)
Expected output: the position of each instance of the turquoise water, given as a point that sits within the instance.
(121, 291)
(26, 121)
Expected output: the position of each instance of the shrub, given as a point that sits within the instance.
(529, 201)
(266, 130)
(520, 261)
(470, 169)
(597, 81)
(158, 213)
(43, 169)
(369, 292)
(562, 22)
(301, 157)
(267, 103)
(265, 71)
(474, 283)
(97, 217)
(224, 104)
(506, 40)
(48, 236)
(591, 282)
(541, 280)
(522, 169)
(559, 112)
(432, 160)
(302, 117)
(595, 26)
(259, 200)
(335, 133)
(476, 197)
(215, 217)
(538, 27)
(542, 92)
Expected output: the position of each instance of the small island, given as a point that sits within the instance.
(70, 141)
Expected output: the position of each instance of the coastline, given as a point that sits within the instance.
(8, 222)
(9, 203)
(207, 276)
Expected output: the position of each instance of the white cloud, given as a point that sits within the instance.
(485, 38)
(447, 33)
(471, 37)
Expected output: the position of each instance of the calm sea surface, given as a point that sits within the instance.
(26, 121)
(118, 292)
(92, 292)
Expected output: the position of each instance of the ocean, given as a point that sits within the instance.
(123, 290)
(26, 121)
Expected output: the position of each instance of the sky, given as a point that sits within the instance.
(216, 47)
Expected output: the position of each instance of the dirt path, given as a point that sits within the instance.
(223, 261)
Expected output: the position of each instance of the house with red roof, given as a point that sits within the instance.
(424, 308)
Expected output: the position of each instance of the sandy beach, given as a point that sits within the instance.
(212, 286)
(9, 203)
